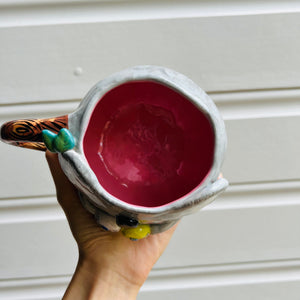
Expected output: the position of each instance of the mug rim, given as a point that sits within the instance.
(78, 124)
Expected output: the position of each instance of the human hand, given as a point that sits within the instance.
(110, 266)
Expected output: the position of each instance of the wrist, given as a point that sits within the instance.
(92, 281)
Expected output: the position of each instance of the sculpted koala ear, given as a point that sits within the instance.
(210, 192)
(218, 186)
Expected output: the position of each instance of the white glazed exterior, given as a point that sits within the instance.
(102, 204)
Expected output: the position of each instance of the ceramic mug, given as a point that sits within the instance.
(144, 148)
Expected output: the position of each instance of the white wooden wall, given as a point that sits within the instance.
(245, 54)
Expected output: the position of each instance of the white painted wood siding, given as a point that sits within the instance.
(245, 54)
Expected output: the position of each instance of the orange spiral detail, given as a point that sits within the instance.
(28, 133)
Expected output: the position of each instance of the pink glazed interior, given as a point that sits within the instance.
(148, 144)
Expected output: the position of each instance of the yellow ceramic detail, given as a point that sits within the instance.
(137, 233)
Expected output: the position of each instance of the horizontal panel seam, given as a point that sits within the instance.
(205, 275)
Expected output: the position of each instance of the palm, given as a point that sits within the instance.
(133, 259)
(128, 258)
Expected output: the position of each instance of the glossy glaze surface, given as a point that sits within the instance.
(148, 144)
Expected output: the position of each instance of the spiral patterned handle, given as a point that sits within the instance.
(28, 133)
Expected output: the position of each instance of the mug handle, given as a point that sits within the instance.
(28, 133)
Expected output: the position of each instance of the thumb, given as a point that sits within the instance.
(67, 194)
